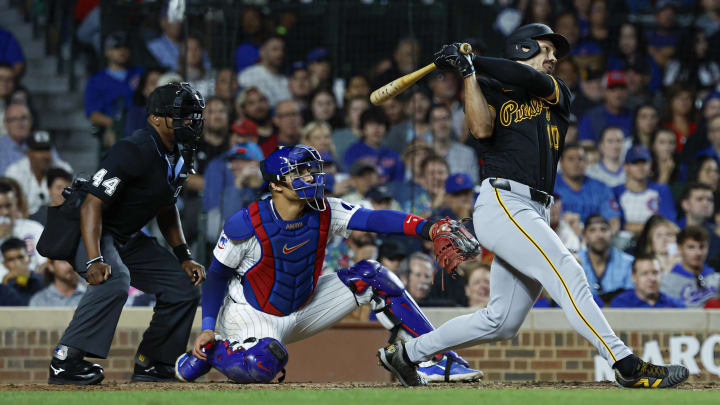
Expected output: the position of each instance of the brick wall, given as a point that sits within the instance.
(544, 350)
(556, 356)
(25, 352)
(25, 355)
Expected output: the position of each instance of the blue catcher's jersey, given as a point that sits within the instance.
(292, 254)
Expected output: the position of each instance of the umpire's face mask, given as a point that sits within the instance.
(188, 128)
(187, 115)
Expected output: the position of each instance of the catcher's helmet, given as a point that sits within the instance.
(285, 163)
(181, 102)
(527, 36)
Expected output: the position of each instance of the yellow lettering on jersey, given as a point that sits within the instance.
(553, 136)
(643, 382)
(511, 111)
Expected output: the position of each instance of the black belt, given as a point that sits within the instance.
(536, 195)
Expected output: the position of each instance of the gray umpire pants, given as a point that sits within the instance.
(149, 267)
(528, 256)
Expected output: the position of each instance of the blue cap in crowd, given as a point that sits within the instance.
(637, 153)
(458, 182)
(663, 4)
(298, 65)
(117, 39)
(712, 95)
(317, 54)
(595, 219)
(247, 151)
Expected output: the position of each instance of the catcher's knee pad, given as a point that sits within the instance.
(253, 361)
(369, 273)
(394, 307)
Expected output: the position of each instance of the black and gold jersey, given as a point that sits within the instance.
(529, 133)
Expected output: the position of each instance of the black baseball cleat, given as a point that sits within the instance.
(155, 372)
(648, 375)
(392, 359)
(74, 372)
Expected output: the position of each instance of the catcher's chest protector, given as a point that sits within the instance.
(292, 258)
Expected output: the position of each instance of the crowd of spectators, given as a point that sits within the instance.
(636, 196)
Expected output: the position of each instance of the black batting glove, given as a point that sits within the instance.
(442, 57)
(450, 58)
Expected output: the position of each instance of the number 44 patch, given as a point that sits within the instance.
(109, 184)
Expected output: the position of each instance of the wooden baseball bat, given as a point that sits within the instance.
(401, 84)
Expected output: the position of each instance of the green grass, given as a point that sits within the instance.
(367, 396)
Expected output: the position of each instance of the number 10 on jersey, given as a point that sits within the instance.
(553, 136)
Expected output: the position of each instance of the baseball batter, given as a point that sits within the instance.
(520, 111)
(269, 259)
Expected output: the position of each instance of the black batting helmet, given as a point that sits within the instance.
(527, 36)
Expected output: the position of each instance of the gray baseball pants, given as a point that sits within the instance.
(528, 256)
(143, 263)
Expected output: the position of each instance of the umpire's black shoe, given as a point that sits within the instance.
(74, 372)
(648, 375)
(155, 372)
(392, 359)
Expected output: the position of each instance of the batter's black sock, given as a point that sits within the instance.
(627, 365)
(405, 356)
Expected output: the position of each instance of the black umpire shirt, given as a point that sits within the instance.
(135, 180)
(529, 133)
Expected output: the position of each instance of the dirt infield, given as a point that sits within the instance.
(223, 386)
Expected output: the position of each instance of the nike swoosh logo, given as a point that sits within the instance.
(288, 250)
(57, 370)
(259, 364)
(147, 370)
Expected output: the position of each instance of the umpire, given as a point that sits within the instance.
(138, 180)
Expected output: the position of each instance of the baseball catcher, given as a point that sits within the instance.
(264, 288)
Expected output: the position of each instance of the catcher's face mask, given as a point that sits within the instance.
(302, 167)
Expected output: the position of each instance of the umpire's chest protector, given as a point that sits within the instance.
(291, 262)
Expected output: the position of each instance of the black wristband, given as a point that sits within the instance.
(425, 231)
(182, 252)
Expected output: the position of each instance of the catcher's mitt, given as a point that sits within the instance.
(453, 243)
